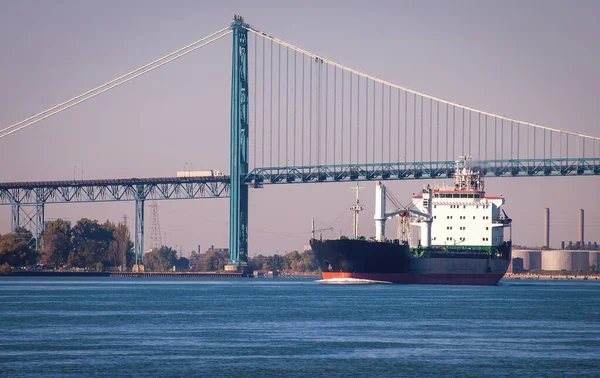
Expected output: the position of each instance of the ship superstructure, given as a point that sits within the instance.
(462, 216)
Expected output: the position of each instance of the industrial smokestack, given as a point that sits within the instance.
(547, 228)
(581, 227)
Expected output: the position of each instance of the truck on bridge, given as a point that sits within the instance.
(205, 173)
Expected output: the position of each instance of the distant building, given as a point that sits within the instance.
(516, 265)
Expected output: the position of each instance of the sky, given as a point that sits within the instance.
(530, 60)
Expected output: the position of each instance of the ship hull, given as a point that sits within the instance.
(394, 262)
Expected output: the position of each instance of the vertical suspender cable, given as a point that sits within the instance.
(254, 102)
(495, 141)
(486, 137)
(350, 122)
(398, 120)
(374, 127)
(262, 144)
(342, 119)
(357, 119)
(295, 90)
(511, 141)
(479, 135)
(302, 117)
(463, 132)
(534, 143)
(437, 132)
(287, 112)
(518, 141)
(389, 124)
(278, 103)
(310, 116)
(334, 110)
(430, 131)
(447, 131)
(366, 120)
(382, 126)
(421, 159)
(544, 150)
(318, 111)
(326, 108)
(415, 128)
(470, 130)
(502, 139)
(405, 127)
(271, 110)
(454, 132)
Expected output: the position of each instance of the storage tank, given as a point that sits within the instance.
(522, 254)
(535, 260)
(580, 260)
(595, 259)
(557, 260)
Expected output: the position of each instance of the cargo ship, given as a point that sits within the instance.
(459, 238)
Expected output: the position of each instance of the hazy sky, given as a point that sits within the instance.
(530, 60)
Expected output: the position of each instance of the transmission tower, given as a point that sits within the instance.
(155, 238)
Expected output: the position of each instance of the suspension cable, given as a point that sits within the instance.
(381, 81)
(114, 83)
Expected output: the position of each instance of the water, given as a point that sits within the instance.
(74, 327)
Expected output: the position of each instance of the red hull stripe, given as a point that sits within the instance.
(411, 278)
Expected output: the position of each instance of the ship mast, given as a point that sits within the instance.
(356, 208)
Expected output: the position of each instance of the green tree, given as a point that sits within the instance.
(160, 260)
(309, 261)
(57, 243)
(182, 264)
(90, 242)
(291, 260)
(215, 260)
(256, 262)
(274, 263)
(15, 251)
(120, 246)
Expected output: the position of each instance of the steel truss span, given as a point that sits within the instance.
(422, 170)
(44, 192)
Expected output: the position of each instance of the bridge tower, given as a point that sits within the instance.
(238, 211)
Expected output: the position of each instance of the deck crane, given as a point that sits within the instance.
(312, 220)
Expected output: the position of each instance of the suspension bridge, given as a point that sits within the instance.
(298, 117)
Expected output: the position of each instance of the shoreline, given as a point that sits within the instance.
(565, 277)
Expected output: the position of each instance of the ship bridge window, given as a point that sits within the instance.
(463, 196)
(456, 196)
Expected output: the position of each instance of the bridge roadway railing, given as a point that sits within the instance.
(31, 193)
(422, 170)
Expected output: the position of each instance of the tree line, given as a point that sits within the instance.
(88, 245)
(95, 246)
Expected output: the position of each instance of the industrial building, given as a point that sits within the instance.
(555, 260)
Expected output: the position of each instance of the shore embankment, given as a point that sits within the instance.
(549, 276)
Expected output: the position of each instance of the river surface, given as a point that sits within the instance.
(282, 327)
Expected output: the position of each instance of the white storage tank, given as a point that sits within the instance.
(581, 260)
(535, 260)
(557, 260)
(595, 259)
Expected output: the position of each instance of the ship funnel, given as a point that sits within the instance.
(380, 211)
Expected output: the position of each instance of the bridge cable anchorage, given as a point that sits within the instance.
(384, 82)
(115, 83)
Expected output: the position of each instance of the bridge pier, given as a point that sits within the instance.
(34, 221)
(239, 140)
(138, 247)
